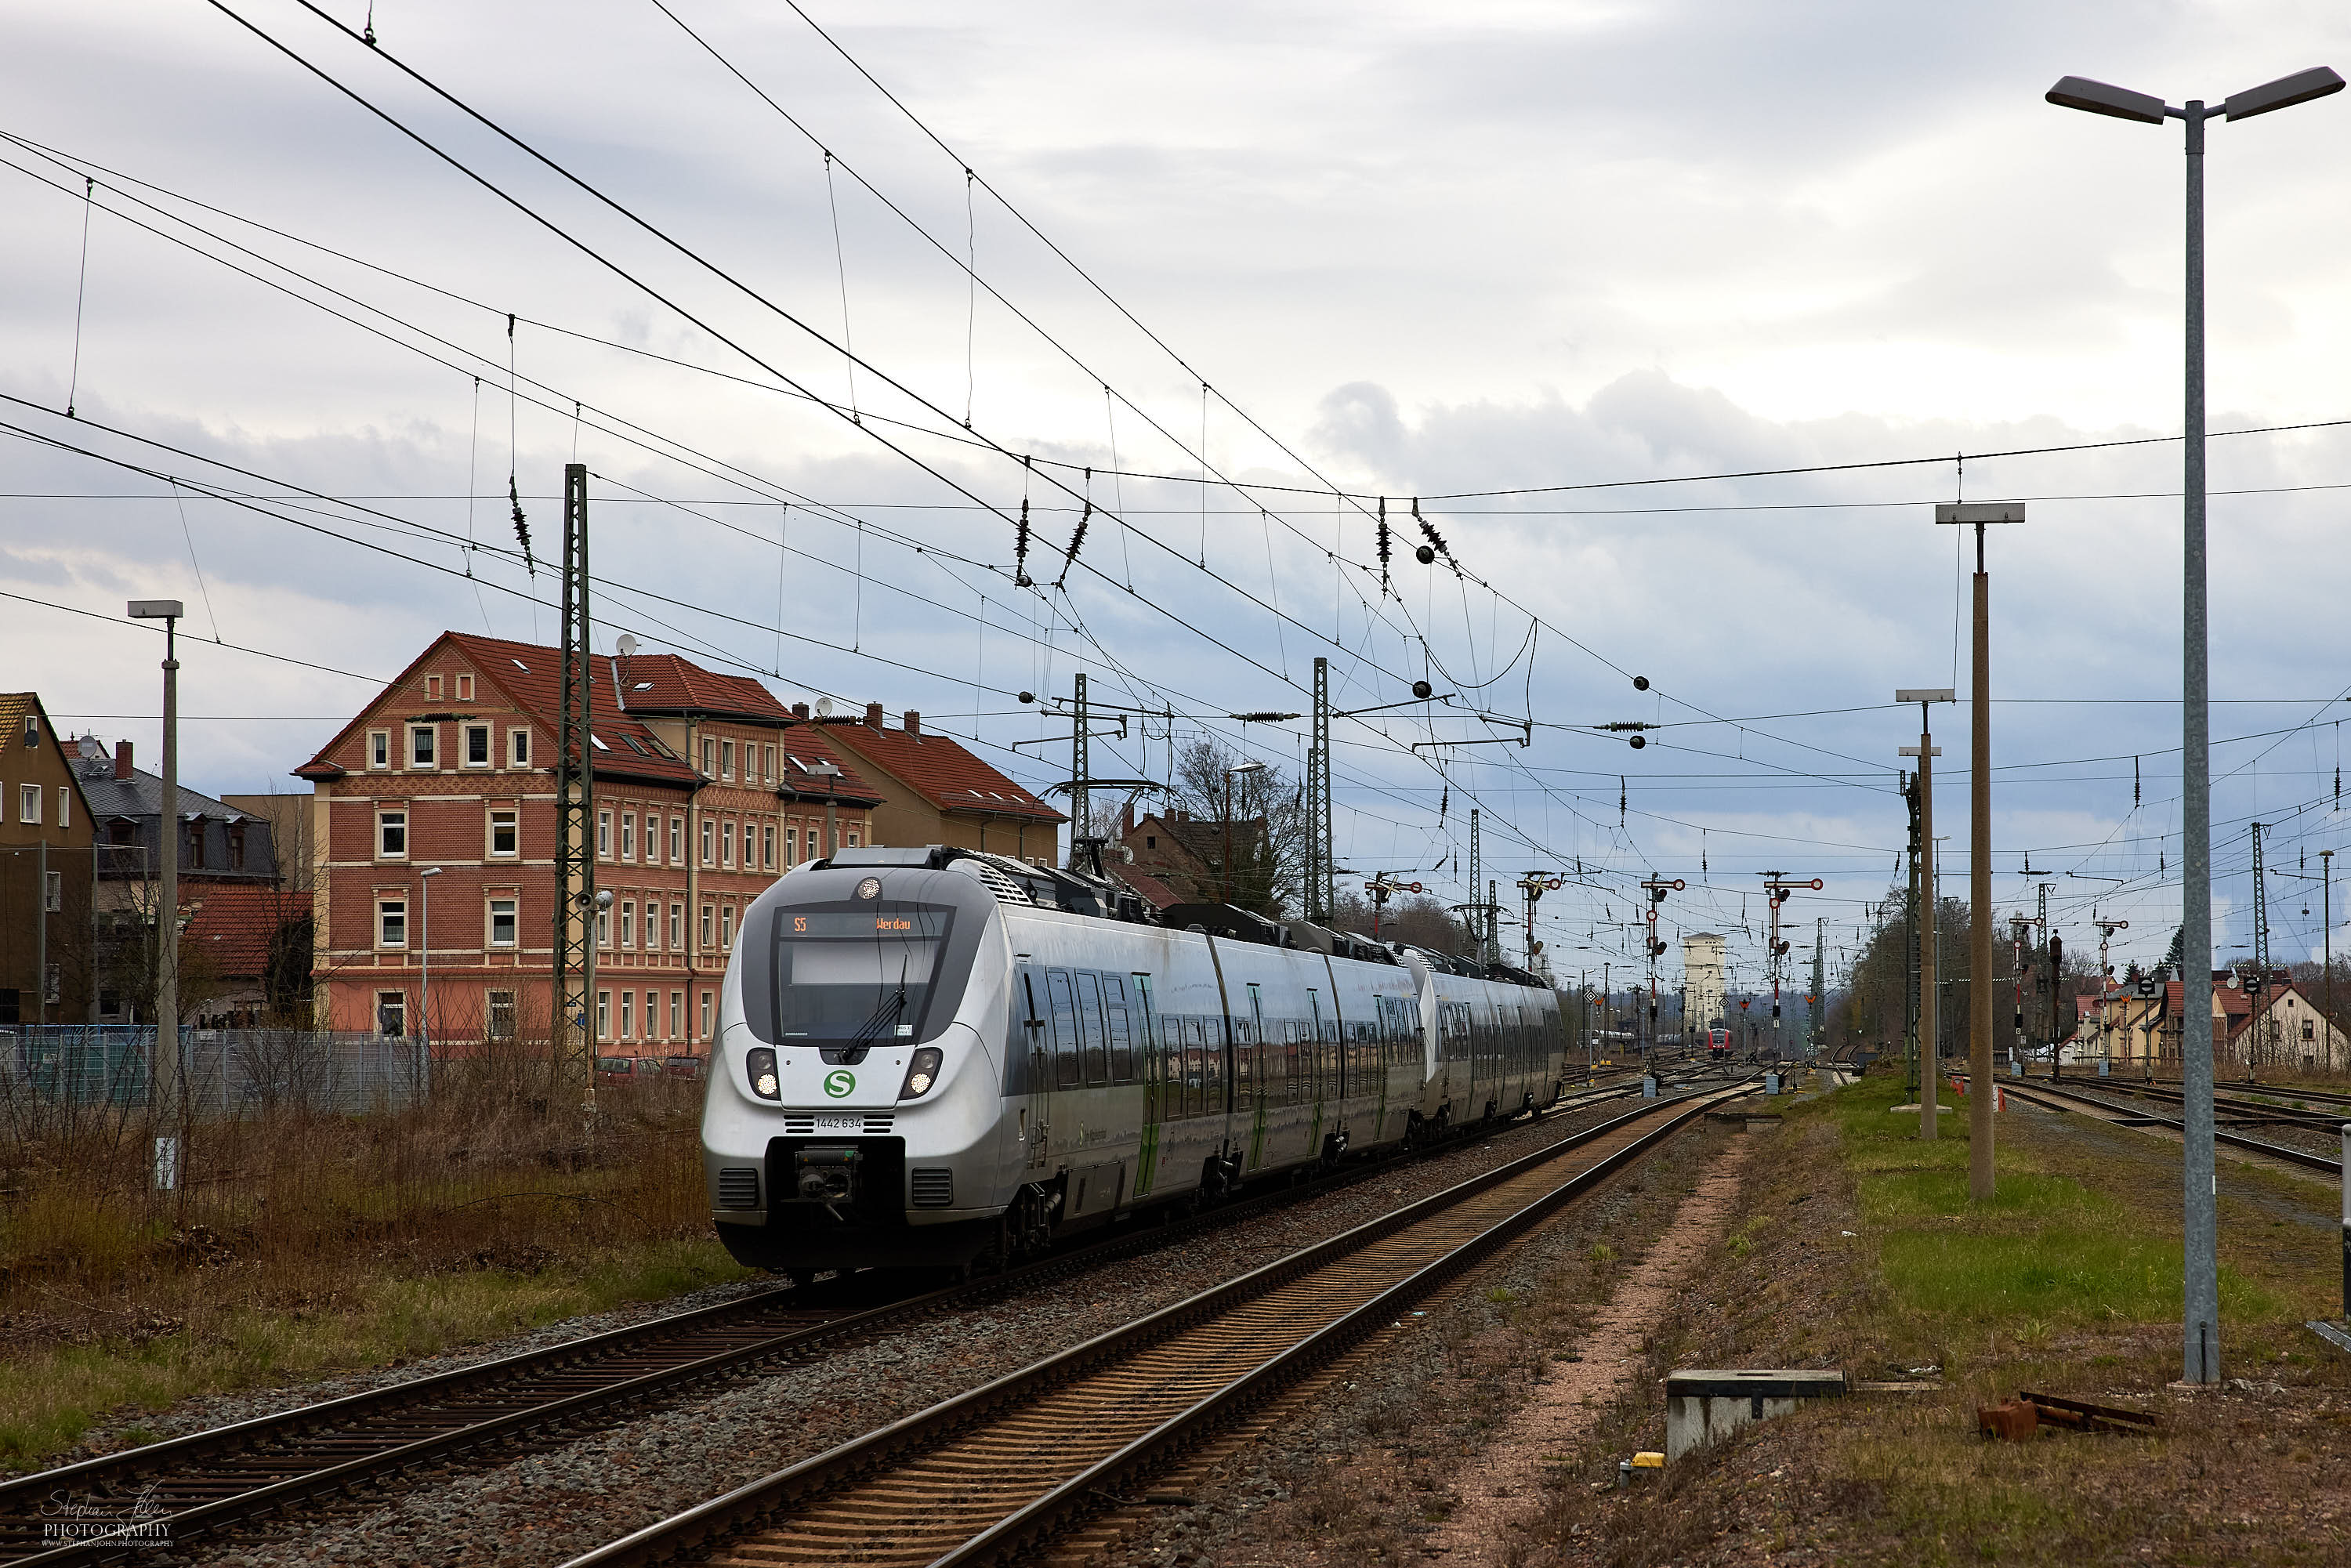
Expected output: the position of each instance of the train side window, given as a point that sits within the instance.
(1196, 1071)
(1089, 1029)
(1244, 1063)
(1300, 1063)
(1058, 991)
(1114, 1023)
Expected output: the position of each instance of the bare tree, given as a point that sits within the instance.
(1267, 824)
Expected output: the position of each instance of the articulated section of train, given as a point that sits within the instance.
(935, 1057)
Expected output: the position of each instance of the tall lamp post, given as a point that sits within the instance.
(424, 955)
(163, 1066)
(2201, 1316)
(1252, 765)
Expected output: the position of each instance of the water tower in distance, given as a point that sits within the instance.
(1702, 982)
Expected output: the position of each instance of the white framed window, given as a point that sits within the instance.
(628, 1015)
(767, 765)
(652, 1015)
(392, 835)
(29, 804)
(506, 833)
(652, 925)
(502, 923)
(709, 922)
(519, 743)
(767, 845)
(433, 687)
(65, 805)
(391, 1013)
(477, 745)
(628, 835)
(379, 748)
(423, 744)
(709, 841)
(677, 840)
(726, 760)
(849, 840)
(53, 901)
(603, 835)
(498, 1015)
(603, 928)
(603, 1015)
(791, 846)
(676, 928)
(465, 689)
(727, 929)
(392, 923)
(676, 1015)
(727, 845)
(629, 923)
(709, 758)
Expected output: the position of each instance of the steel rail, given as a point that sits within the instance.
(745, 1506)
(2285, 1152)
(113, 1474)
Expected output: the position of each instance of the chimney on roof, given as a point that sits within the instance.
(874, 716)
(122, 759)
(1126, 819)
(913, 722)
(801, 711)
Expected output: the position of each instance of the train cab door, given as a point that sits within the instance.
(1035, 1045)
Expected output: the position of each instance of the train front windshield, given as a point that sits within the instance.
(861, 975)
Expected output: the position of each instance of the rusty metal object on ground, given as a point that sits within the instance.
(2015, 1421)
(2080, 1416)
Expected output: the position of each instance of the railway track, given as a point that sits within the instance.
(2121, 1112)
(984, 1477)
(276, 1466)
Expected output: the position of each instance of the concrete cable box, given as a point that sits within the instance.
(1702, 1406)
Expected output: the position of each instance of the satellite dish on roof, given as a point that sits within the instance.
(824, 707)
(627, 645)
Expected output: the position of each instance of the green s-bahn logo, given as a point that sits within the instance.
(839, 1083)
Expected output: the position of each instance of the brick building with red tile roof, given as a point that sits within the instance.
(934, 792)
(706, 790)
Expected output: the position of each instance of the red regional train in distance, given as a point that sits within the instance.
(1717, 1045)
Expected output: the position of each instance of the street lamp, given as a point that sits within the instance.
(830, 773)
(2200, 1317)
(1252, 765)
(164, 1063)
(424, 955)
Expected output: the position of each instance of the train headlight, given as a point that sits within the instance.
(921, 1073)
(760, 1062)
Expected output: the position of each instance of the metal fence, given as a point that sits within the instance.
(228, 1073)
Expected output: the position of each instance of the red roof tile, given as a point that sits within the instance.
(234, 926)
(940, 770)
(530, 676)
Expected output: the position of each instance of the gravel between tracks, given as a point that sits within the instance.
(550, 1504)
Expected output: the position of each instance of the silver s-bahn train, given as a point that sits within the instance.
(938, 1057)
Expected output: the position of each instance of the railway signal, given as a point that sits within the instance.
(1379, 890)
(1533, 886)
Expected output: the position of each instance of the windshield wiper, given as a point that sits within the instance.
(886, 1014)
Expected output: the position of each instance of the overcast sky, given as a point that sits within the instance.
(1413, 251)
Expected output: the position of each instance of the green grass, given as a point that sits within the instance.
(2046, 1250)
